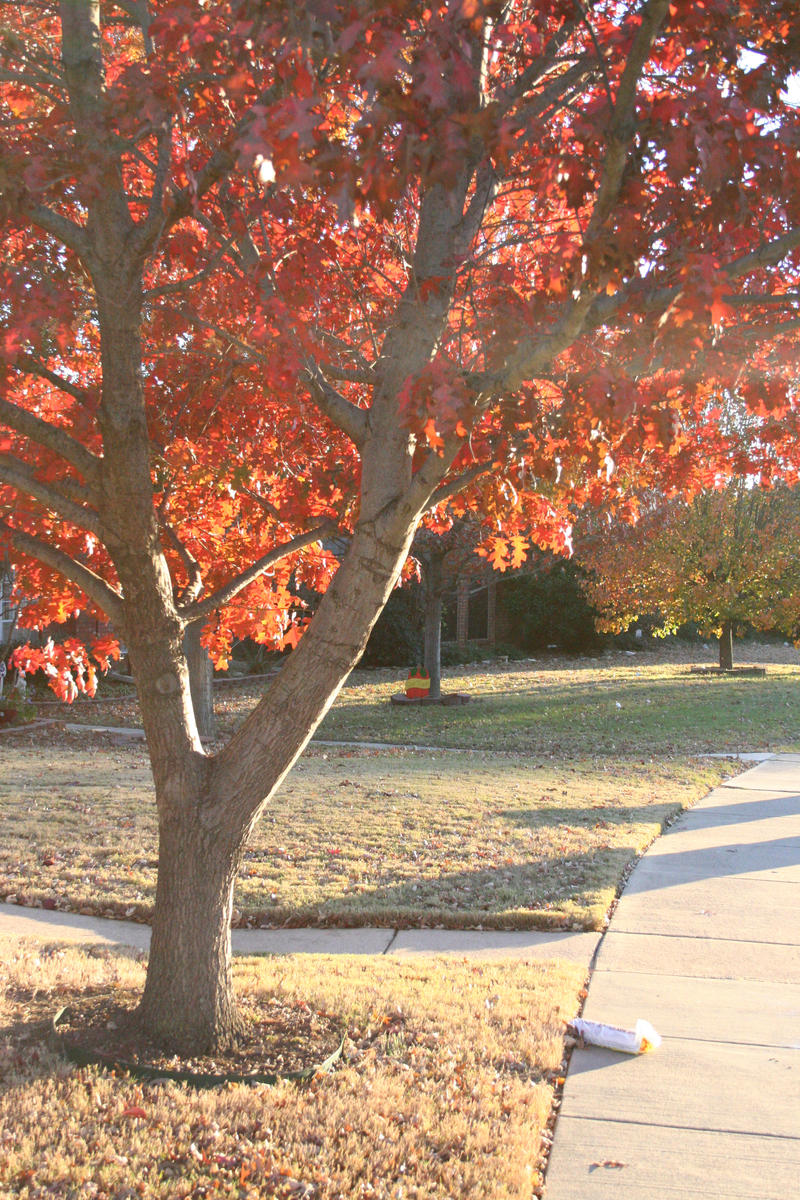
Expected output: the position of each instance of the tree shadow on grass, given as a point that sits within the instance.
(28, 1046)
(532, 895)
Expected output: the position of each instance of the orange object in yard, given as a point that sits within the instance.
(418, 684)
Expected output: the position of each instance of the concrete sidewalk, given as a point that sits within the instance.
(17, 921)
(704, 944)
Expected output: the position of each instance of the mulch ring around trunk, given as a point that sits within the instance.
(281, 1040)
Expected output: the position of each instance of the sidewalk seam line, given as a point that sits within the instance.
(778, 1137)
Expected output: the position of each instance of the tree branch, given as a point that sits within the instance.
(70, 234)
(17, 476)
(528, 360)
(453, 486)
(53, 438)
(345, 415)
(768, 254)
(204, 608)
(192, 567)
(26, 364)
(181, 285)
(425, 483)
(99, 592)
(606, 308)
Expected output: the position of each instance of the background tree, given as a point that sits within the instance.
(445, 556)
(269, 270)
(725, 561)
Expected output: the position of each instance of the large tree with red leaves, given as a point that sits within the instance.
(272, 270)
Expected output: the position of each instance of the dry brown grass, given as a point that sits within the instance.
(445, 1091)
(354, 837)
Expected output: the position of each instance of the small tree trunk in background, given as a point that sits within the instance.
(432, 581)
(491, 612)
(433, 643)
(462, 618)
(726, 646)
(201, 675)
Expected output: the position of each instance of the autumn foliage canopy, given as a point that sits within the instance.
(628, 242)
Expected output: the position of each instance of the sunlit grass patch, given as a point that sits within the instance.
(445, 1089)
(357, 837)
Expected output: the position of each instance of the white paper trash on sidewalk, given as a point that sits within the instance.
(629, 1041)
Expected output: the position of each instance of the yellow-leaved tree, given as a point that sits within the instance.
(728, 559)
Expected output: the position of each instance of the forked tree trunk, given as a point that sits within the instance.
(208, 805)
(726, 646)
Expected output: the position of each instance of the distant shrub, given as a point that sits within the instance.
(549, 609)
(397, 640)
(15, 709)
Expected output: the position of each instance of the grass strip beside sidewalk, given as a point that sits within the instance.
(446, 1087)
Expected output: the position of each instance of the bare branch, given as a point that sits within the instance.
(204, 608)
(98, 591)
(192, 567)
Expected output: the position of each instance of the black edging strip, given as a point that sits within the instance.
(195, 1079)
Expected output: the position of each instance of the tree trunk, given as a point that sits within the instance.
(201, 676)
(188, 1000)
(462, 617)
(433, 643)
(726, 646)
(491, 612)
(208, 806)
(432, 582)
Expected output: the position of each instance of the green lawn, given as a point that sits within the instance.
(622, 707)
